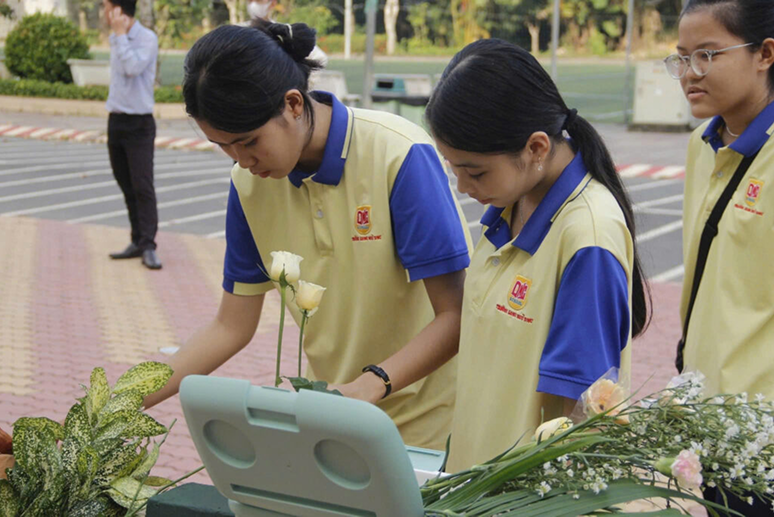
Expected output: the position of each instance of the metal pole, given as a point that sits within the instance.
(368, 76)
(348, 25)
(554, 39)
(627, 79)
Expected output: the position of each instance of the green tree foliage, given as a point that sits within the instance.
(40, 45)
(314, 13)
(178, 21)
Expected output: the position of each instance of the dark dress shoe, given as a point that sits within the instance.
(150, 259)
(131, 251)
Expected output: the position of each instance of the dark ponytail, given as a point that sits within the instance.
(236, 77)
(752, 21)
(493, 96)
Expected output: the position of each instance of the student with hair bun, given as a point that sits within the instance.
(362, 196)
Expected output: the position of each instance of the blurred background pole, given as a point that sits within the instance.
(348, 29)
(368, 77)
(628, 78)
(554, 39)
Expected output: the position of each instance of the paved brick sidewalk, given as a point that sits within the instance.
(66, 308)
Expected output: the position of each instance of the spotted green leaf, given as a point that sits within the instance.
(144, 468)
(146, 378)
(98, 394)
(88, 508)
(157, 482)
(70, 449)
(103, 447)
(42, 424)
(86, 465)
(77, 425)
(31, 435)
(123, 491)
(129, 400)
(9, 499)
(118, 463)
(115, 425)
(144, 426)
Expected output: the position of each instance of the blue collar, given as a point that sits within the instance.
(749, 142)
(537, 226)
(336, 146)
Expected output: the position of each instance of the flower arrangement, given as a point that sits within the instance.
(98, 462)
(666, 446)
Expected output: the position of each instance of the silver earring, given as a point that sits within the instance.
(540, 167)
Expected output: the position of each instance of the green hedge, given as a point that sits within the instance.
(40, 45)
(35, 88)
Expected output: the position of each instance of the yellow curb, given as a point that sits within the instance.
(81, 108)
(17, 276)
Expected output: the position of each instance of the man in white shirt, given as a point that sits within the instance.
(131, 128)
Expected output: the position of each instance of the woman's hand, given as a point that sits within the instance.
(367, 387)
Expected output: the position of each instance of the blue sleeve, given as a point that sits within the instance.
(590, 325)
(428, 232)
(243, 263)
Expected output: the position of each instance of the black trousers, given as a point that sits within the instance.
(758, 509)
(130, 144)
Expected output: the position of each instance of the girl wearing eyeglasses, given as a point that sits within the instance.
(724, 64)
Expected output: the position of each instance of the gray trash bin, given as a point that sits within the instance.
(403, 94)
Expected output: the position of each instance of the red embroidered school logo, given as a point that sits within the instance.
(753, 192)
(363, 219)
(517, 298)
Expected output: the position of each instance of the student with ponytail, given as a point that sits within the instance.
(725, 65)
(362, 196)
(555, 290)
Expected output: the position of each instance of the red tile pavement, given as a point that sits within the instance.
(71, 309)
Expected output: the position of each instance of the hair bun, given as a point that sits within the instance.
(297, 39)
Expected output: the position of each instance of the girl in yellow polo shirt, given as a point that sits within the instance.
(725, 64)
(555, 291)
(362, 196)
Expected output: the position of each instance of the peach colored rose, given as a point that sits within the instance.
(602, 396)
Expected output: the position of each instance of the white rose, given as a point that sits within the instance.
(552, 427)
(308, 295)
(289, 262)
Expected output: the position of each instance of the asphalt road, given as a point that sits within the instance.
(73, 182)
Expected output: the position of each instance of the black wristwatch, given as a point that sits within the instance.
(382, 375)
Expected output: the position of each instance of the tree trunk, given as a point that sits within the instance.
(391, 10)
(145, 13)
(534, 36)
(83, 22)
(349, 28)
(233, 11)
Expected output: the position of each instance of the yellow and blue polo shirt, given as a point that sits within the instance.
(544, 315)
(731, 333)
(377, 216)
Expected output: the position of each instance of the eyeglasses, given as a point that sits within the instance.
(700, 61)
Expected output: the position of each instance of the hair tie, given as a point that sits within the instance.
(572, 114)
(290, 31)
